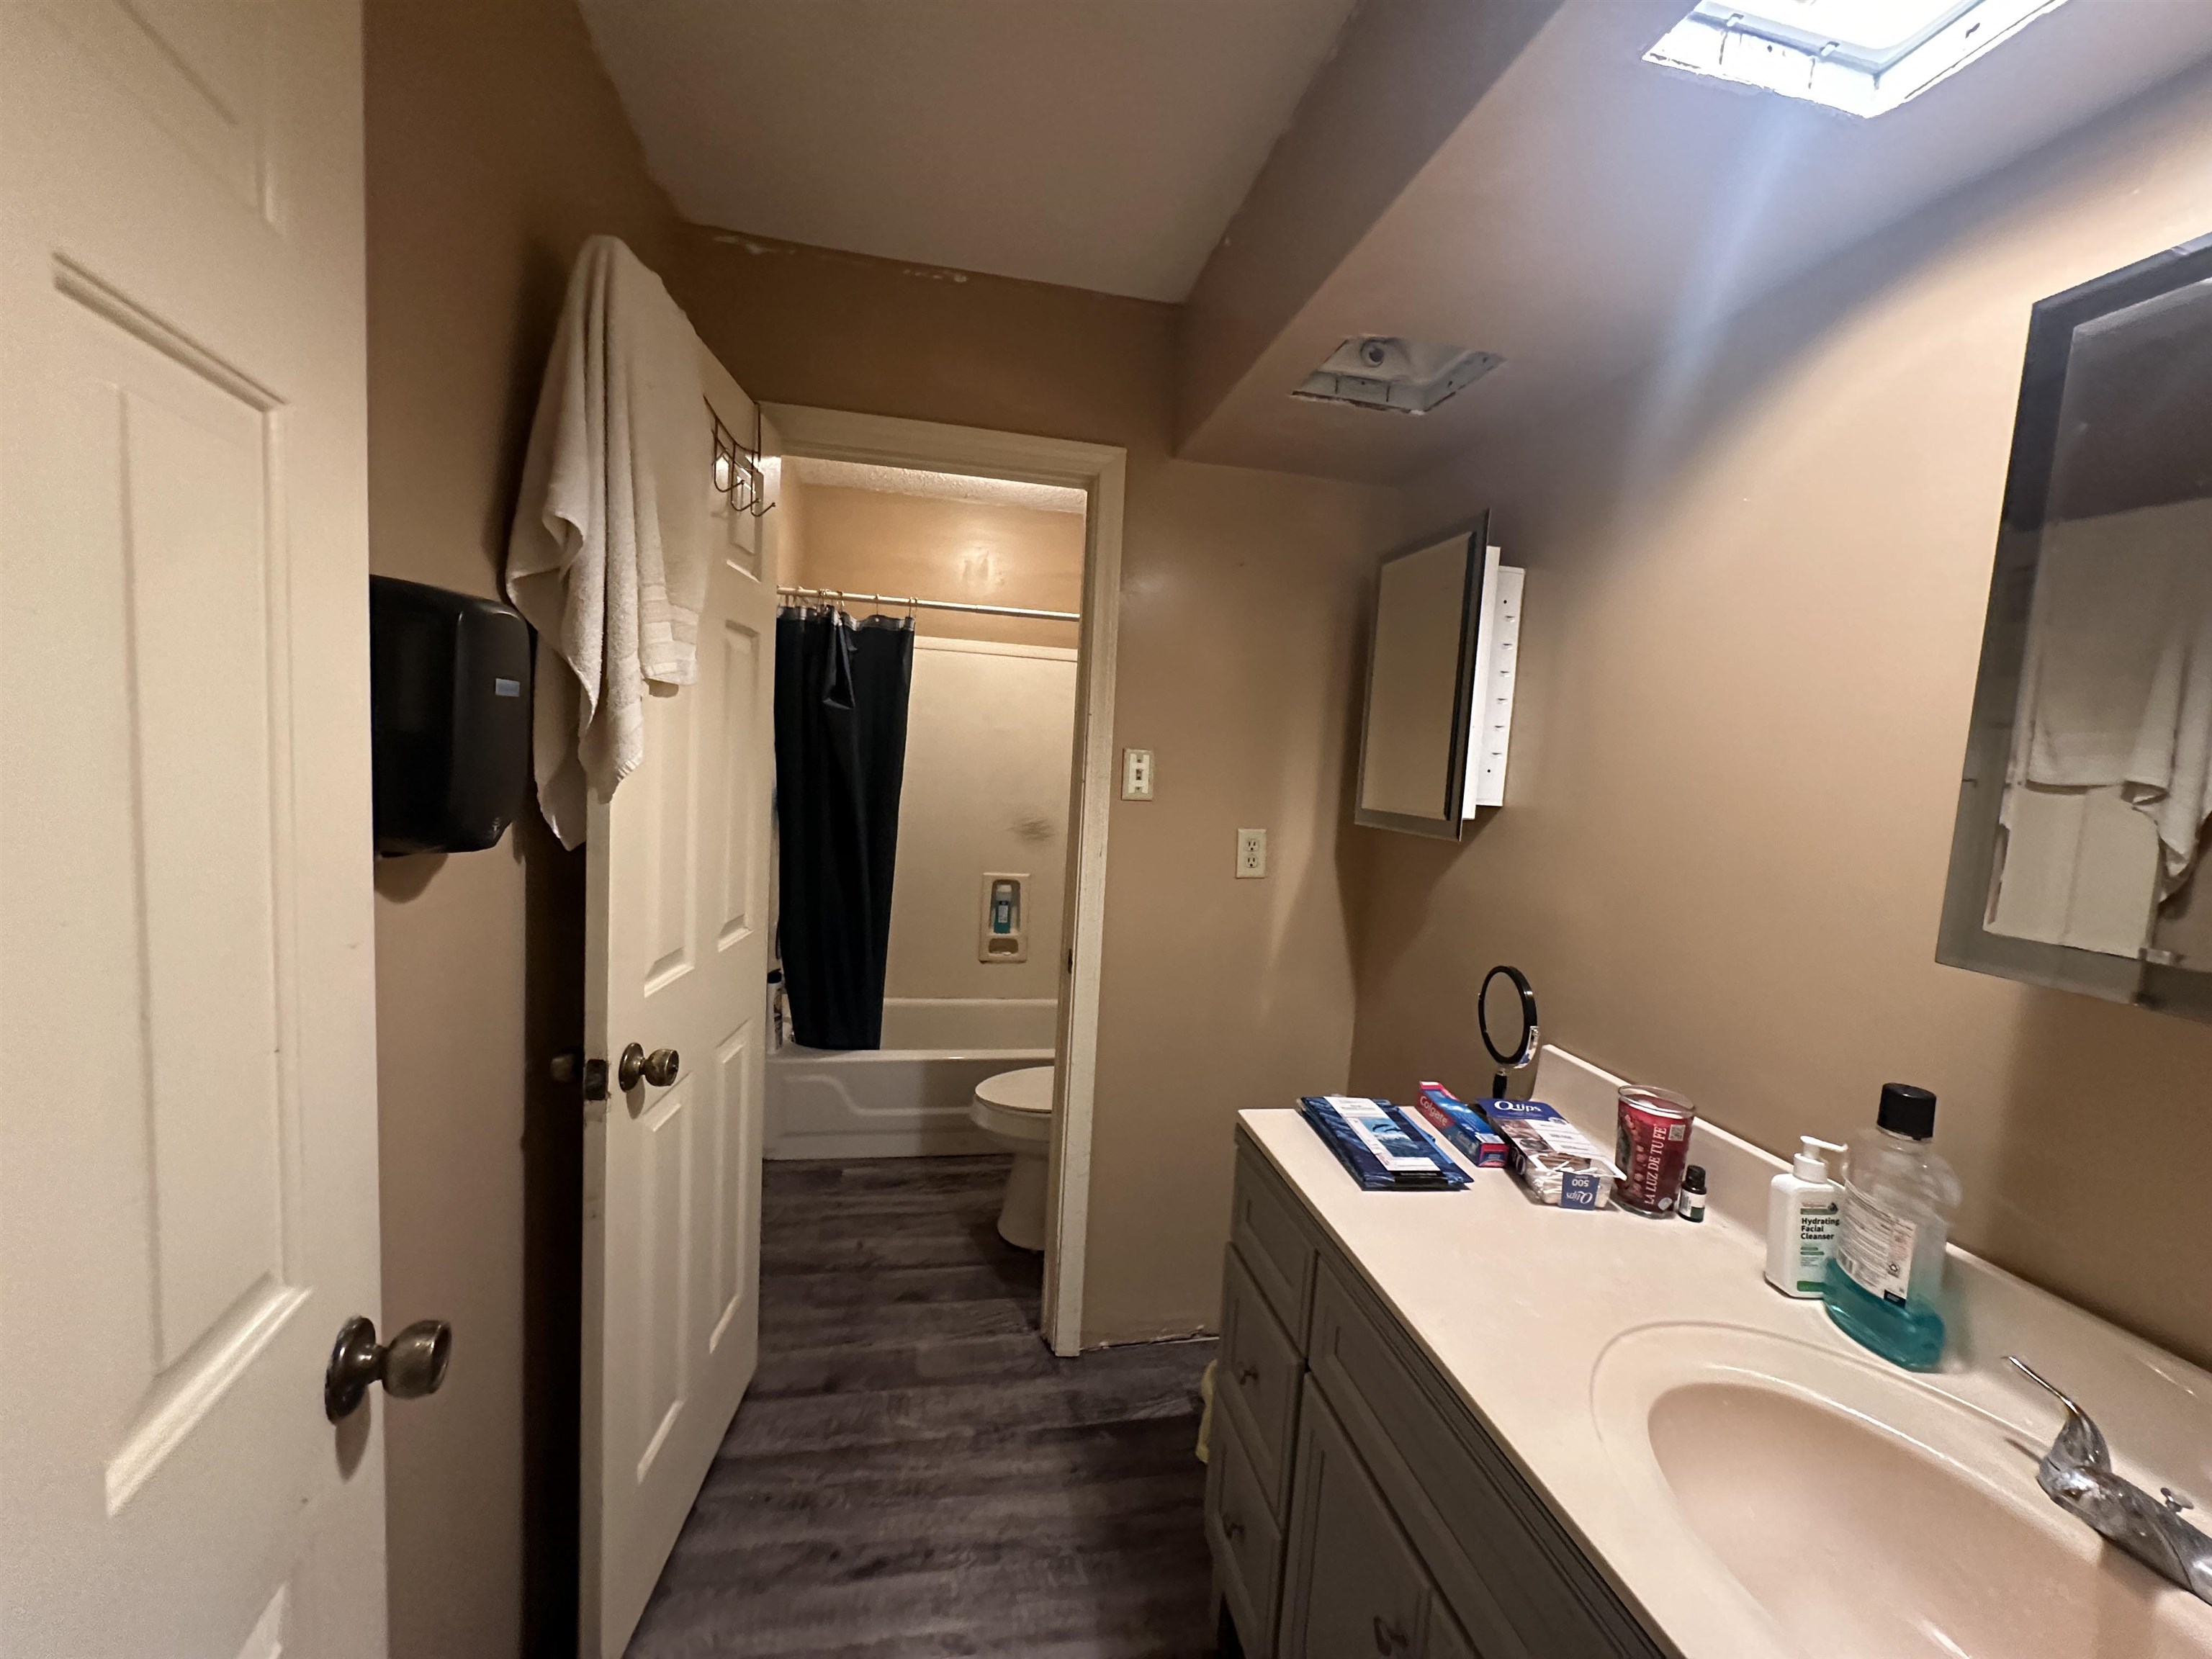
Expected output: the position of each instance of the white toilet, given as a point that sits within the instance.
(1015, 1110)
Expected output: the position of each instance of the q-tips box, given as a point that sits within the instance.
(1556, 1161)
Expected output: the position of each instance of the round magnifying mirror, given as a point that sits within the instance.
(1506, 1012)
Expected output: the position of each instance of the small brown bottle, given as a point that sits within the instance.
(1691, 1207)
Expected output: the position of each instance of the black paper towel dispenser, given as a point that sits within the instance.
(449, 700)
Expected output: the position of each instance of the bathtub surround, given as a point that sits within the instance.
(1757, 578)
(910, 1097)
(913, 1473)
(990, 737)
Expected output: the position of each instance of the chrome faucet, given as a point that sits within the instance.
(2077, 1472)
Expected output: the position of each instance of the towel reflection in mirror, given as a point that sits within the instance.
(2109, 784)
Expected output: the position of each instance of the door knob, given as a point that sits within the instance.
(413, 1364)
(659, 1068)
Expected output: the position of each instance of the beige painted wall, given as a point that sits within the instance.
(495, 147)
(1240, 597)
(1755, 593)
(868, 541)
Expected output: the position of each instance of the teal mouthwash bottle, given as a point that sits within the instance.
(1898, 1198)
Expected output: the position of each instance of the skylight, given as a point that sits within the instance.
(1864, 56)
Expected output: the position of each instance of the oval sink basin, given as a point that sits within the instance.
(1869, 1515)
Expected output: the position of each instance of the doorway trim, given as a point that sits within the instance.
(1100, 471)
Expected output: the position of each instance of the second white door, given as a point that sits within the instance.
(677, 953)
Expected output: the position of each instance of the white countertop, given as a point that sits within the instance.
(1515, 1303)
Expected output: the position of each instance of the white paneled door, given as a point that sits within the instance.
(187, 1056)
(677, 953)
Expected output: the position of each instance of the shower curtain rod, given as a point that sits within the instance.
(912, 603)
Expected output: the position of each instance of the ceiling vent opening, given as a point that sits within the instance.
(1408, 377)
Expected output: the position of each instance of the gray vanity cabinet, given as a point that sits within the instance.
(1354, 1505)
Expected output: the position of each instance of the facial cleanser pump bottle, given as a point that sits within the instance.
(1803, 1207)
(1898, 1199)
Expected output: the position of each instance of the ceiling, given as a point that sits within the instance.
(1591, 210)
(1503, 174)
(1097, 143)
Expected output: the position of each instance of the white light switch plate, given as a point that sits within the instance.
(1251, 852)
(1136, 774)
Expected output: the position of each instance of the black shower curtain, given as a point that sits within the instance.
(840, 703)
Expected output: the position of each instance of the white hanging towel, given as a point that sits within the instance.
(607, 558)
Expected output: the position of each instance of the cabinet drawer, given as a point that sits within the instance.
(1266, 1224)
(1258, 1376)
(1246, 1545)
(1519, 1584)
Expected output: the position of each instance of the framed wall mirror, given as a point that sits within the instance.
(1424, 660)
(2078, 857)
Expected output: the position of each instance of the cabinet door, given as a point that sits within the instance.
(1354, 1585)
(1445, 1639)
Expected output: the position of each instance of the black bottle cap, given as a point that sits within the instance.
(1694, 1178)
(1908, 1111)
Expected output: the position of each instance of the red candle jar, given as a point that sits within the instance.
(1652, 1149)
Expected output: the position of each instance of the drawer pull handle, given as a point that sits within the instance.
(1388, 1639)
(1248, 1373)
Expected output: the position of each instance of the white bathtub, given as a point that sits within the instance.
(909, 1098)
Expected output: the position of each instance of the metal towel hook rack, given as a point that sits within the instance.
(738, 476)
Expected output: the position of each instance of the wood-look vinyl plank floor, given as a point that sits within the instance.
(913, 1474)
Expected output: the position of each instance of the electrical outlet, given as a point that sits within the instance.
(1136, 774)
(1251, 852)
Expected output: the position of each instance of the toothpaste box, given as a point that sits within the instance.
(1557, 1162)
(1459, 1123)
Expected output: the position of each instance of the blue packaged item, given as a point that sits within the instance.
(1378, 1147)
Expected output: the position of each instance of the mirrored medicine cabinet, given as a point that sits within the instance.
(1440, 671)
(2079, 853)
